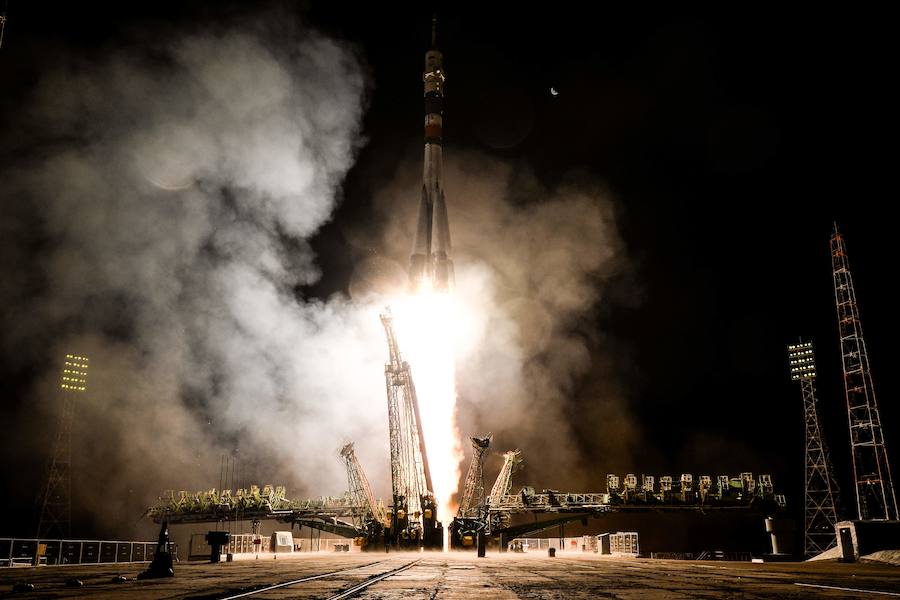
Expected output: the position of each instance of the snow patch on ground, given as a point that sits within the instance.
(891, 557)
(830, 554)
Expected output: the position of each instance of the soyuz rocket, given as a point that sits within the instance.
(430, 263)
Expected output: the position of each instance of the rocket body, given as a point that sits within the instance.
(430, 263)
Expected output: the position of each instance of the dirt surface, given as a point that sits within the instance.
(457, 576)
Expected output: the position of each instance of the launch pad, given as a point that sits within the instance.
(424, 476)
(454, 575)
(410, 521)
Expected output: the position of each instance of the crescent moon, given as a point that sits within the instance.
(553, 92)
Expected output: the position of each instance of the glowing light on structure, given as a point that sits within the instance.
(74, 375)
(429, 326)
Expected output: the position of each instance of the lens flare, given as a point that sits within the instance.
(427, 327)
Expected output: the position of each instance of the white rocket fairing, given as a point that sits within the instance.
(430, 263)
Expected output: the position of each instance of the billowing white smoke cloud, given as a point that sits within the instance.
(533, 268)
(174, 190)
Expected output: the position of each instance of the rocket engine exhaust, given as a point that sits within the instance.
(427, 316)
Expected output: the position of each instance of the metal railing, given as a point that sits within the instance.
(35, 551)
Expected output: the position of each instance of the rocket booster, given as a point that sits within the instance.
(430, 263)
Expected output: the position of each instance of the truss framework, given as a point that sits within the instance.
(875, 496)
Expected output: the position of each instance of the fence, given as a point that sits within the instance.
(18, 551)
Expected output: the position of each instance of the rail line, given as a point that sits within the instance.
(301, 580)
(343, 594)
(361, 586)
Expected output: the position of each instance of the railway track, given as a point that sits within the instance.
(352, 591)
(345, 593)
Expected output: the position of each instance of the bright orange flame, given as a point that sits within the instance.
(427, 327)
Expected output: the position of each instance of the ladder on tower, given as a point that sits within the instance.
(55, 503)
(875, 495)
(820, 489)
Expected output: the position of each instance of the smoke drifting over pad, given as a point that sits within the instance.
(173, 188)
(162, 210)
(533, 267)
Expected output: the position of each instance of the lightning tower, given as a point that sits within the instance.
(430, 263)
(875, 495)
(55, 504)
(820, 514)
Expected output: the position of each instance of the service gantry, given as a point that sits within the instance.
(371, 515)
(470, 519)
(413, 514)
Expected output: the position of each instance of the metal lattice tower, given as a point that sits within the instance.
(414, 515)
(3, 22)
(55, 518)
(511, 462)
(473, 492)
(875, 495)
(820, 490)
(358, 485)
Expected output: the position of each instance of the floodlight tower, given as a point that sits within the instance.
(56, 501)
(875, 497)
(820, 514)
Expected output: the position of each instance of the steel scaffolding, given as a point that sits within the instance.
(820, 490)
(55, 503)
(473, 493)
(875, 496)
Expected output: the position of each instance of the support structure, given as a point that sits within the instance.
(742, 493)
(413, 519)
(820, 489)
(875, 496)
(470, 524)
(503, 483)
(55, 503)
(2, 24)
(371, 513)
(473, 492)
(500, 520)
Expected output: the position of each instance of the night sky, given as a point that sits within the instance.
(730, 143)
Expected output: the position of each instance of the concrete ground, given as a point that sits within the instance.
(458, 575)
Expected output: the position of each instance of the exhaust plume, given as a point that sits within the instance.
(534, 267)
